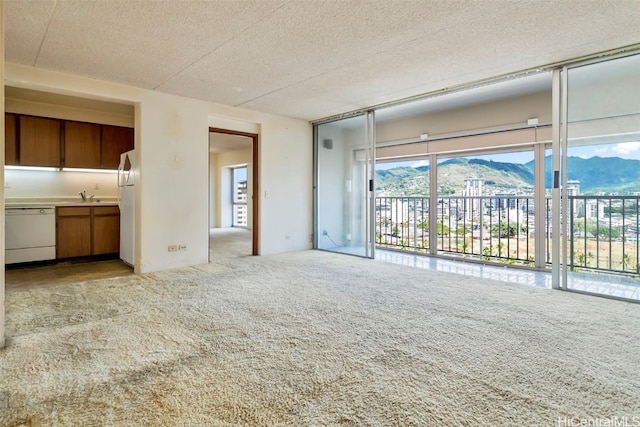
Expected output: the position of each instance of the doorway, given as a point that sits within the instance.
(233, 189)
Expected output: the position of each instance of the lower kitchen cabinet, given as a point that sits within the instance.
(106, 230)
(86, 231)
(73, 232)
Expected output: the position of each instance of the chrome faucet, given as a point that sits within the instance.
(91, 197)
(83, 194)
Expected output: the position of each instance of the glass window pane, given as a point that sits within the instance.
(342, 193)
(603, 178)
(239, 194)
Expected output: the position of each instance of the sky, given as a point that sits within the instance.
(625, 150)
(241, 174)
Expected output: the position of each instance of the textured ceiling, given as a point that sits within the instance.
(222, 142)
(309, 59)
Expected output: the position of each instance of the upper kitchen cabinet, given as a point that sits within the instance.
(82, 145)
(39, 141)
(115, 141)
(10, 139)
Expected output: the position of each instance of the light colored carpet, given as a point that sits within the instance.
(225, 243)
(314, 339)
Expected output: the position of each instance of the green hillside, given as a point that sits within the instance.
(498, 176)
(599, 174)
(596, 174)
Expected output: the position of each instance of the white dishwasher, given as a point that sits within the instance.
(30, 234)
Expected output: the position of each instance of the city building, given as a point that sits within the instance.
(573, 187)
(472, 188)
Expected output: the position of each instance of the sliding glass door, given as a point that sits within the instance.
(343, 181)
(600, 163)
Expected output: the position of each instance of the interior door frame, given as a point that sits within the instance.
(255, 183)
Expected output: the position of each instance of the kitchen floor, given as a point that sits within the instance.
(25, 278)
(224, 243)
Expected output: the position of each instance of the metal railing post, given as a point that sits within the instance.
(415, 227)
(571, 256)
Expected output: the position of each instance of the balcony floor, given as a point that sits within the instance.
(601, 284)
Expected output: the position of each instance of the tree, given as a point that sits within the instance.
(461, 230)
(443, 229)
(502, 229)
(603, 231)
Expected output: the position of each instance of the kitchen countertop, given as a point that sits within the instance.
(42, 202)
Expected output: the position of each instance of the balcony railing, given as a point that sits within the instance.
(603, 233)
(603, 230)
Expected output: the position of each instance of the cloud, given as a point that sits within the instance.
(420, 163)
(601, 150)
(627, 147)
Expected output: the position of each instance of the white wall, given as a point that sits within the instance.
(213, 184)
(59, 184)
(174, 170)
(172, 162)
(494, 114)
(286, 186)
(224, 214)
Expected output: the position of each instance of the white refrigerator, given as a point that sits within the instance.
(126, 190)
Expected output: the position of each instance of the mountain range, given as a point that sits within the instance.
(596, 174)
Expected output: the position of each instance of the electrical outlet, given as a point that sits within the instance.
(324, 233)
(96, 187)
(172, 248)
(182, 247)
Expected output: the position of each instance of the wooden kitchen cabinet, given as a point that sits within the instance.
(82, 145)
(86, 231)
(115, 141)
(106, 230)
(39, 141)
(73, 232)
(10, 139)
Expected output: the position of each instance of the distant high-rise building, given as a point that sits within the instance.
(241, 197)
(504, 201)
(473, 188)
(573, 187)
